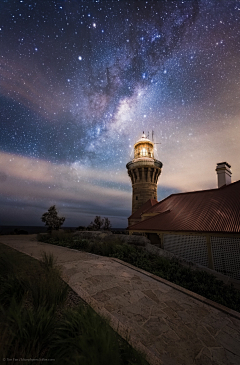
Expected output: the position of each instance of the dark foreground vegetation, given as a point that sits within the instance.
(42, 318)
(198, 282)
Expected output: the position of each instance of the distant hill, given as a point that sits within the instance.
(36, 229)
(29, 229)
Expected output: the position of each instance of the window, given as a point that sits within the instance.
(136, 197)
(144, 152)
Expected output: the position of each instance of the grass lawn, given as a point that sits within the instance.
(199, 282)
(41, 317)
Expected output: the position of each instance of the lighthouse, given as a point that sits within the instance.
(144, 171)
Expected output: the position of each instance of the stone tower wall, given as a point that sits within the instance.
(144, 176)
(142, 193)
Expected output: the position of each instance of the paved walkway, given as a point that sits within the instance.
(171, 325)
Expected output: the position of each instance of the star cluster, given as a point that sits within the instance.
(81, 80)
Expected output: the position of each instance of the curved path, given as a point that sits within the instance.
(172, 325)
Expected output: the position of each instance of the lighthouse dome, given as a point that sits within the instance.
(143, 139)
(143, 148)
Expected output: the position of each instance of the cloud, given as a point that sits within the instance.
(82, 191)
(76, 188)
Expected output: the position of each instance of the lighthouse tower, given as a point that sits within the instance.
(144, 171)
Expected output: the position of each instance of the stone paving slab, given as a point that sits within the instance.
(172, 325)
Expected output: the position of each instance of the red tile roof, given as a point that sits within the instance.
(215, 210)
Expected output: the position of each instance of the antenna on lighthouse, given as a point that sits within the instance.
(153, 138)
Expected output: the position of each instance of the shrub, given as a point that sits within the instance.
(170, 269)
(26, 332)
(81, 331)
(51, 219)
(11, 283)
(27, 322)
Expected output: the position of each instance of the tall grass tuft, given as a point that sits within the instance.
(51, 290)
(84, 338)
(11, 283)
(26, 333)
(48, 261)
(28, 308)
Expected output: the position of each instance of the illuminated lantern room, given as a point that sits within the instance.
(143, 148)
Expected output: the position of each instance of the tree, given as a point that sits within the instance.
(107, 224)
(81, 228)
(100, 223)
(51, 219)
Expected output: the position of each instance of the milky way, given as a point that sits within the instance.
(81, 80)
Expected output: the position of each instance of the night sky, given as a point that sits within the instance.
(81, 80)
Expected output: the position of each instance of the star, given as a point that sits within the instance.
(80, 81)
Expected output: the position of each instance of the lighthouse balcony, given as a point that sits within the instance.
(143, 161)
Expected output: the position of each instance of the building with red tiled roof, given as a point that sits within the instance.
(212, 211)
(200, 226)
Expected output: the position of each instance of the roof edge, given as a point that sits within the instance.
(200, 191)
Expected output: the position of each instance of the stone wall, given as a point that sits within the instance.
(160, 252)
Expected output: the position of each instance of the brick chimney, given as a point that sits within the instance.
(224, 174)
